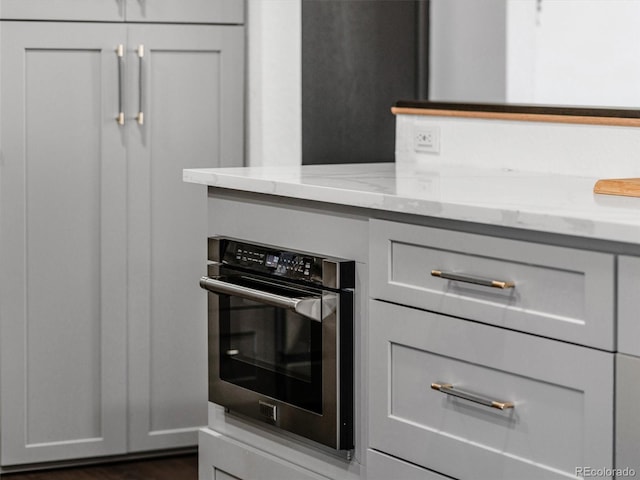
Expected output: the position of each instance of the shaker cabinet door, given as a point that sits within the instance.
(186, 11)
(165, 11)
(188, 86)
(86, 10)
(63, 237)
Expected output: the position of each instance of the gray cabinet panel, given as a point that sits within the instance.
(186, 11)
(63, 219)
(563, 414)
(558, 292)
(222, 457)
(627, 418)
(221, 475)
(384, 467)
(192, 102)
(95, 10)
(628, 305)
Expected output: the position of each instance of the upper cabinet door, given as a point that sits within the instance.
(89, 10)
(186, 11)
(168, 11)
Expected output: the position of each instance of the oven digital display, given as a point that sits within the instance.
(272, 261)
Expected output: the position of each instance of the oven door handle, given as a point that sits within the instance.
(316, 307)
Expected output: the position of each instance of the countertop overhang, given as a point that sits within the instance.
(547, 202)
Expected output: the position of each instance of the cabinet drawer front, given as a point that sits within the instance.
(384, 467)
(240, 461)
(562, 417)
(557, 292)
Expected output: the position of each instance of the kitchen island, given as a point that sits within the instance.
(496, 324)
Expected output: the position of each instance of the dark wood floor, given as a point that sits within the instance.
(184, 467)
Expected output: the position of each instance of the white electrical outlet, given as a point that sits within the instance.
(426, 138)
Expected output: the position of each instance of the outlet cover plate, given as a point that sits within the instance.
(426, 138)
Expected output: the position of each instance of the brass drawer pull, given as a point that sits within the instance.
(449, 389)
(475, 280)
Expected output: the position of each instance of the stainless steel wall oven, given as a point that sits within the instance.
(281, 338)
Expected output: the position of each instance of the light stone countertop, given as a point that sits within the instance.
(556, 203)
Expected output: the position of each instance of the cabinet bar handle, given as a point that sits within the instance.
(475, 280)
(449, 389)
(140, 116)
(120, 53)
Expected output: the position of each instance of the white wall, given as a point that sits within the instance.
(574, 52)
(274, 82)
(566, 52)
(467, 51)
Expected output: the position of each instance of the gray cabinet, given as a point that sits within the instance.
(441, 371)
(192, 103)
(63, 208)
(103, 325)
(240, 447)
(628, 365)
(185, 11)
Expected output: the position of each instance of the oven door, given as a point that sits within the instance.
(274, 354)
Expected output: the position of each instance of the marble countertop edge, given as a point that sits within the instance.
(561, 204)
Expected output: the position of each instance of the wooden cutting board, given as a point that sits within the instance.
(629, 187)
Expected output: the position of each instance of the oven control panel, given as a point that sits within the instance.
(274, 262)
(287, 264)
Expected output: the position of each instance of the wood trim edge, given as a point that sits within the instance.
(523, 117)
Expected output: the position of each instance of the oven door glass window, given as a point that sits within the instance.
(272, 350)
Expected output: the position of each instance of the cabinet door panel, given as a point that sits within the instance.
(92, 10)
(186, 11)
(63, 191)
(192, 103)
